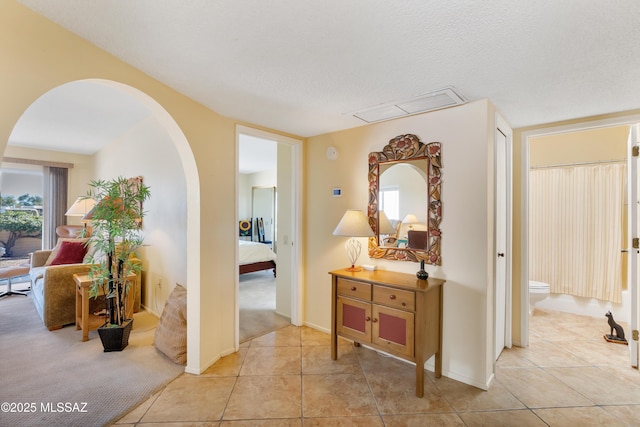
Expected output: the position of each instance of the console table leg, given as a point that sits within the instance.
(419, 378)
(334, 332)
(334, 346)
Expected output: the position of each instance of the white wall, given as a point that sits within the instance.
(246, 183)
(164, 226)
(589, 306)
(466, 134)
(244, 196)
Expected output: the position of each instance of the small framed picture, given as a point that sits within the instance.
(336, 192)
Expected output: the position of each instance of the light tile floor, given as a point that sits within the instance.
(569, 376)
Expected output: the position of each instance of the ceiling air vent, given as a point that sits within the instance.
(435, 100)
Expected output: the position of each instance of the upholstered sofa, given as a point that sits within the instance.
(53, 289)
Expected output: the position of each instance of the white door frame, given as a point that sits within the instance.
(524, 228)
(505, 129)
(633, 199)
(296, 238)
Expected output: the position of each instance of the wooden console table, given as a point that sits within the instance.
(88, 321)
(392, 312)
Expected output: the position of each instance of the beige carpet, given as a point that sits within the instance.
(258, 305)
(67, 382)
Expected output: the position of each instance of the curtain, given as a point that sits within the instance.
(576, 229)
(55, 203)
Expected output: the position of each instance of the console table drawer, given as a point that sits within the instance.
(404, 300)
(354, 289)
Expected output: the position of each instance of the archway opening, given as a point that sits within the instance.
(127, 125)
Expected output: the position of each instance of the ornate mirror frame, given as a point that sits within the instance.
(401, 148)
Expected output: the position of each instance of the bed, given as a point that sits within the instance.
(255, 256)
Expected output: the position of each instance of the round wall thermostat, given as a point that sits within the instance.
(332, 153)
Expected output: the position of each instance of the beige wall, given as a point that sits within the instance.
(466, 133)
(38, 55)
(592, 145)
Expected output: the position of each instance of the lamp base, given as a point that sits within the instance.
(353, 269)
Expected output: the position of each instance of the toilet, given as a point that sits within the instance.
(538, 291)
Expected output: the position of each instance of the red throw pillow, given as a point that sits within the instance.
(70, 253)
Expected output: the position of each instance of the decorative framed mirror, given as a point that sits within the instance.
(405, 206)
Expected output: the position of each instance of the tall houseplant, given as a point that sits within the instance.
(115, 221)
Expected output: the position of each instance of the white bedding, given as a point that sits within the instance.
(251, 252)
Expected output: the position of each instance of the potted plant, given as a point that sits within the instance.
(116, 222)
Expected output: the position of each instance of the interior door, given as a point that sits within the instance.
(633, 237)
(501, 242)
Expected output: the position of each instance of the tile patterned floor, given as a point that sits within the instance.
(569, 376)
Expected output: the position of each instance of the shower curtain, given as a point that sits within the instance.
(576, 229)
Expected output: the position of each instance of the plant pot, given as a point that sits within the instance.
(115, 338)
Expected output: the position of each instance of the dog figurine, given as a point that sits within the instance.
(619, 336)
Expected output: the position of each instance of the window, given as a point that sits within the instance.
(390, 202)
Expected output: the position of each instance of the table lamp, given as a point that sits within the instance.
(385, 225)
(80, 208)
(353, 224)
(410, 219)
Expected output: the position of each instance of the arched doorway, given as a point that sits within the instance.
(152, 123)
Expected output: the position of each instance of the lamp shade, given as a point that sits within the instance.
(410, 219)
(385, 225)
(353, 224)
(80, 207)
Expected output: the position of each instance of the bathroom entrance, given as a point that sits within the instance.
(577, 218)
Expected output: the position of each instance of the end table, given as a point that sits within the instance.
(85, 320)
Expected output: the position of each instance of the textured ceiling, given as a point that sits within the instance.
(301, 66)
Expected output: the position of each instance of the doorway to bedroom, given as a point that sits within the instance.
(266, 206)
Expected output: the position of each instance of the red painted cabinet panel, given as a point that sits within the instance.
(393, 330)
(354, 319)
